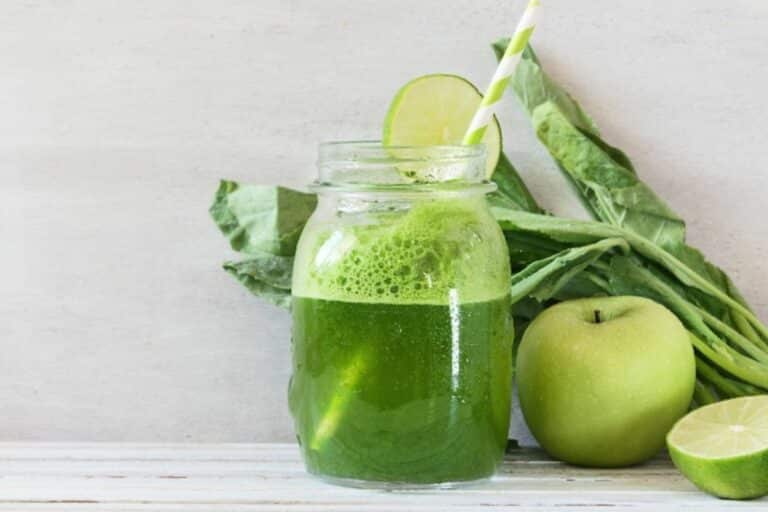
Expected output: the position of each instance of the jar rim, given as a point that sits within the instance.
(370, 165)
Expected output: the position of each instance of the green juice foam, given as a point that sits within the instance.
(436, 250)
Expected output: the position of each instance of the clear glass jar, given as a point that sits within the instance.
(402, 332)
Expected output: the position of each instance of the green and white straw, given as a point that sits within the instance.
(501, 78)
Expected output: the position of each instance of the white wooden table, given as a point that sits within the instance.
(247, 477)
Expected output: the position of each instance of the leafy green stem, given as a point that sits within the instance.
(724, 385)
(733, 362)
(735, 336)
(689, 277)
(702, 395)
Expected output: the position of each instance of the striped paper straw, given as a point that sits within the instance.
(503, 74)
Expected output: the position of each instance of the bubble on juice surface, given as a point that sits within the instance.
(416, 257)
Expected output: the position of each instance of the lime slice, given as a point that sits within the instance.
(723, 447)
(437, 110)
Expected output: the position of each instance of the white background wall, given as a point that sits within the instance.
(118, 117)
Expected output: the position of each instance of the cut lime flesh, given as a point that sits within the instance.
(723, 447)
(725, 429)
(436, 110)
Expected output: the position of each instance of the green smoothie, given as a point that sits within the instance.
(402, 345)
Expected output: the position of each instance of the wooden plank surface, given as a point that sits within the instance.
(270, 477)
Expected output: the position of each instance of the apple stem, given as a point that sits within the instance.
(597, 316)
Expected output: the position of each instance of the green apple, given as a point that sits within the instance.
(602, 381)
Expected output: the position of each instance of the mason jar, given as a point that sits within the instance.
(402, 331)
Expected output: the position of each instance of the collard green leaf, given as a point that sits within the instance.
(543, 279)
(608, 183)
(584, 284)
(613, 191)
(526, 248)
(576, 232)
(565, 231)
(263, 223)
(265, 275)
(260, 218)
(274, 271)
(512, 192)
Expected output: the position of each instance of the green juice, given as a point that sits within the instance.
(402, 346)
(414, 393)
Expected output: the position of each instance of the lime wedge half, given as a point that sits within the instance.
(723, 447)
(437, 110)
